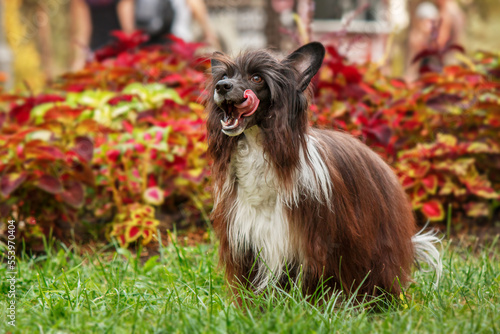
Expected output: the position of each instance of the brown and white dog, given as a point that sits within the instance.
(293, 200)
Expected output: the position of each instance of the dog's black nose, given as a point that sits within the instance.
(223, 86)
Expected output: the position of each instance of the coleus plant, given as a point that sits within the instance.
(160, 157)
(441, 132)
(148, 138)
(124, 139)
(448, 169)
(45, 163)
(136, 221)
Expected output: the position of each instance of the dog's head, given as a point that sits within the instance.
(249, 90)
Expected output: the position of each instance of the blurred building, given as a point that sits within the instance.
(360, 29)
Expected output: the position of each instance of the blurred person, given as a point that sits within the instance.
(452, 25)
(185, 11)
(158, 18)
(155, 18)
(425, 21)
(93, 21)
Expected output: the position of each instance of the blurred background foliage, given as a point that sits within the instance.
(22, 21)
(27, 64)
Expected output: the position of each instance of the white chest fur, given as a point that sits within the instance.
(258, 219)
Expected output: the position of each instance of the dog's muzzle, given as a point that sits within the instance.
(235, 114)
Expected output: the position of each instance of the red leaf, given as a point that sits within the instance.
(443, 99)
(419, 193)
(148, 210)
(121, 98)
(10, 182)
(381, 133)
(21, 112)
(43, 152)
(152, 181)
(3, 116)
(50, 184)
(433, 210)
(48, 98)
(482, 189)
(84, 148)
(430, 183)
(113, 155)
(153, 195)
(122, 240)
(184, 49)
(332, 51)
(73, 194)
(127, 126)
(407, 182)
(351, 74)
(480, 209)
(60, 113)
(123, 43)
(398, 83)
(134, 230)
(174, 79)
(419, 170)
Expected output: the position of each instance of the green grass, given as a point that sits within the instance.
(182, 291)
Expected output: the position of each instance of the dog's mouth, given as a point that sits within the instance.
(235, 113)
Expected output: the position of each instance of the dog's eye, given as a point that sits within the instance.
(257, 79)
(224, 77)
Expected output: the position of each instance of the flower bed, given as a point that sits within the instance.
(123, 141)
(117, 143)
(441, 134)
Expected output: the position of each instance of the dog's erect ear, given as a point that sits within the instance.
(306, 60)
(213, 61)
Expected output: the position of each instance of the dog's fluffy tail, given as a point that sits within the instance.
(426, 251)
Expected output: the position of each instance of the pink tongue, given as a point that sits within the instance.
(248, 107)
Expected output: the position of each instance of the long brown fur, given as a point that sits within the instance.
(368, 236)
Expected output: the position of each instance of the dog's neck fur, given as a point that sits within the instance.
(258, 220)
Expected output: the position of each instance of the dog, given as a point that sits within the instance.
(293, 203)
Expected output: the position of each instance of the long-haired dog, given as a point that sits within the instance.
(294, 201)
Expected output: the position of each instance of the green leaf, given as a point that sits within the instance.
(151, 263)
